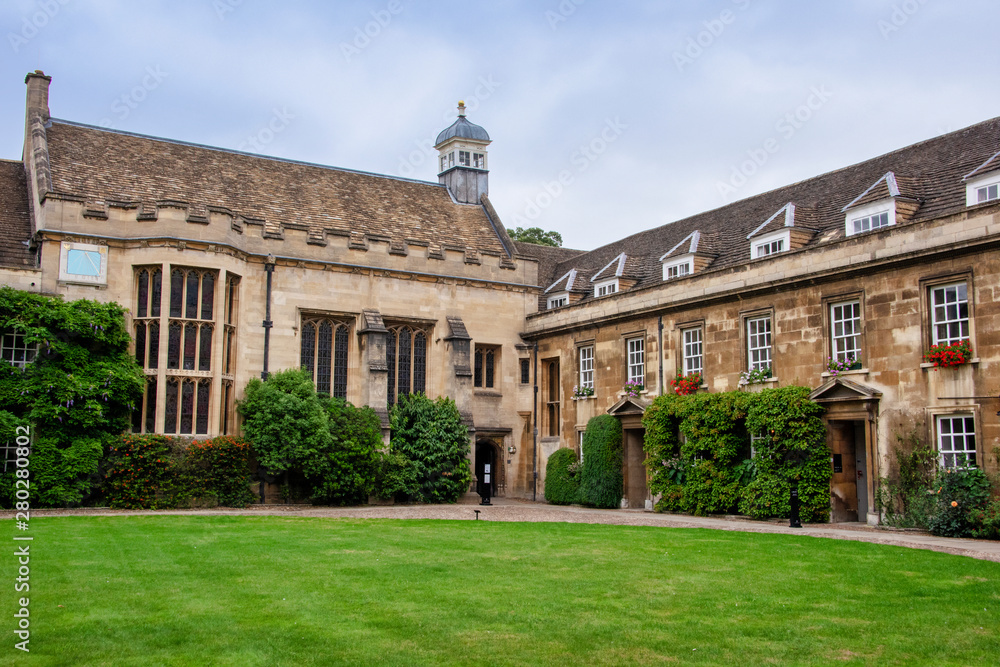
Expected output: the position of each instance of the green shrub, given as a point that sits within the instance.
(905, 499)
(986, 522)
(961, 494)
(343, 472)
(78, 394)
(220, 469)
(601, 476)
(713, 471)
(139, 468)
(431, 435)
(395, 477)
(562, 477)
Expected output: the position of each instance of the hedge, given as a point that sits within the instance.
(562, 477)
(601, 477)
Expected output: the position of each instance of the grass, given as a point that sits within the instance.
(196, 590)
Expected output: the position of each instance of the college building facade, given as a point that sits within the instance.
(232, 265)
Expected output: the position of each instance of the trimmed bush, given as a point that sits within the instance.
(139, 469)
(601, 477)
(562, 477)
(431, 435)
(220, 468)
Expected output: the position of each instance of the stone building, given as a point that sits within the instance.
(233, 264)
(877, 262)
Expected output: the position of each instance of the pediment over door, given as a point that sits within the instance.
(844, 399)
(629, 410)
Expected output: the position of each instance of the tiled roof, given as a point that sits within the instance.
(101, 166)
(15, 218)
(929, 172)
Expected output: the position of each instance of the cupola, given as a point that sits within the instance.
(462, 159)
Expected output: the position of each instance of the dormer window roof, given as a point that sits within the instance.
(883, 204)
(982, 184)
(778, 234)
(688, 256)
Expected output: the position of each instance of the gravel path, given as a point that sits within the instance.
(515, 510)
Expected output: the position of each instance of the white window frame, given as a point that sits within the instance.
(693, 350)
(990, 183)
(465, 158)
(950, 456)
(14, 350)
(678, 268)
(586, 357)
(949, 313)
(479, 160)
(759, 356)
(636, 350)
(771, 244)
(606, 288)
(558, 300)
(448, 160)
(98, 253)
(864, 216)
(845, 331)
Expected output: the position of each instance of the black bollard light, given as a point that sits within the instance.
(794, 522)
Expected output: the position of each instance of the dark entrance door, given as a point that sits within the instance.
(849, 485)
(486, 468)
(636, 491)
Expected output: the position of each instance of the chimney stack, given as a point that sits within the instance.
(38, 93)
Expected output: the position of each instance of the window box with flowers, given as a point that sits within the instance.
(837, 367)
(582, 392)
(633, 388)
(756, 376)
(686, 384)
(954, 354)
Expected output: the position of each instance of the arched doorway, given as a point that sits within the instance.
(488, 454)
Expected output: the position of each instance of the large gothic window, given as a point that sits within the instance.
(324, 353)
(175, 326)
(406, 357)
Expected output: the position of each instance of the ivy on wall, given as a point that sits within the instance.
(77, 394)
(739, 452)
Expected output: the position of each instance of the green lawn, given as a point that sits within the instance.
(165, 590)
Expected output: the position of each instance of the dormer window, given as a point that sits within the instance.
(678, 269)
(606, 288)
(869, 218)
(982, 190)
(558, 301)
(870, 222)
(770, 244)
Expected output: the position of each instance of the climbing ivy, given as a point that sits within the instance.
(78, 394)
(700, 458)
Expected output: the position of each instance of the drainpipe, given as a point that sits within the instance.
(534, 463)
(269, 268)
(660, 348)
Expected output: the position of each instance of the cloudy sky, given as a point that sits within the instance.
(606, 118)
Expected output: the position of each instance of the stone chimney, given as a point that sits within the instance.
(36, 145)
